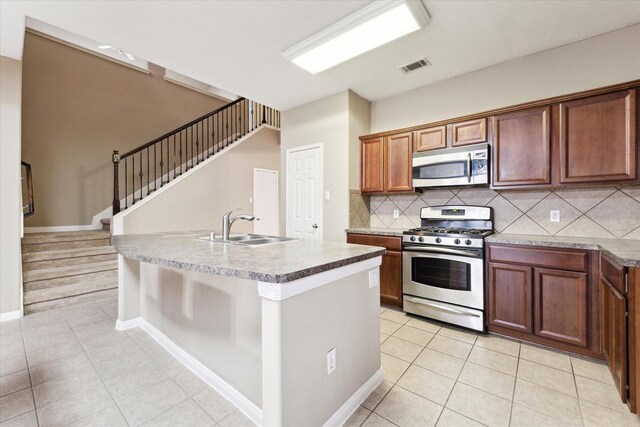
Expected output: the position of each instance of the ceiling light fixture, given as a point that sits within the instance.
(372, 26)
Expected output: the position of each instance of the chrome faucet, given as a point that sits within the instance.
(227, 222)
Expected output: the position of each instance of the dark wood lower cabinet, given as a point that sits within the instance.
(391, 267)
(510, 293)
(561, 306)
(613, 308)
(544, 295)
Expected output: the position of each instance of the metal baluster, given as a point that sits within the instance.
(148, 173)
(133, 179)
(126, 204)
(180, 153)
(140, 174)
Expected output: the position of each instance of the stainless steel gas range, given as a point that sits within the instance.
(443, 265)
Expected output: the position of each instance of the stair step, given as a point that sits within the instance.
(69, 270)
(67, 253)
(65, 291)
(68, 262)
(66, 236)
(64, 302)
(67, 280)
(71, 244)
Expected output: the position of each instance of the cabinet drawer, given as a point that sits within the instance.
(554, 258)
(613, 273)
(388, 242)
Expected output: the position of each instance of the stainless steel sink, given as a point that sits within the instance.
(248, 239)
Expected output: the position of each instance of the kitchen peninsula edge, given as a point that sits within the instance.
(256, 323)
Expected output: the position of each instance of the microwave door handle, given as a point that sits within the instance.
(469, 167)
(442, 308)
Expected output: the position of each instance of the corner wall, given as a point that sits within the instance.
(10, 186)
(599, 61)
(322, 122)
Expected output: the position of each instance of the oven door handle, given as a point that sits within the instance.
(440, 250)
(442, 308)
(469, 167)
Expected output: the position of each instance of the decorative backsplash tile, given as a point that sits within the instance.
(608, 212)
(359, 210)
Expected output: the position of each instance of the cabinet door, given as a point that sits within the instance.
(469, 132)
(613, 328)
(397, 170)
(561, 305)
(510, 296)
(430, 139)
(522, 148)
(371, 165)
(391, 279)
(598, 138)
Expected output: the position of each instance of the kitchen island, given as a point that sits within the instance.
(257, 323)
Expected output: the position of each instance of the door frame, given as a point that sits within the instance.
(277, 195)
(320, 196)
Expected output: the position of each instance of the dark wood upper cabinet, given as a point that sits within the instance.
(372, 165)
(510, 293)
(522, 148)
(469, 132)
(385, 164)
(598, 138)
(430, 138)
(561, 306)
(397, 159)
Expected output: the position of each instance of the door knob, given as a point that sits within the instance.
(315, 225)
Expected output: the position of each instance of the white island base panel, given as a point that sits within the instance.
(264, 346)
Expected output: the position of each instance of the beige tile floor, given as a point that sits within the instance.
(70, 367)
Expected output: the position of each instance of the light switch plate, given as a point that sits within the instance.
(554, 216)
(327, 195)
(331, 361)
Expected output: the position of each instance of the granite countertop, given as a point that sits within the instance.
(275, 263)
(377, 231)
(624, 252)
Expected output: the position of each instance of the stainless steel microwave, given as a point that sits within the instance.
(460, 166)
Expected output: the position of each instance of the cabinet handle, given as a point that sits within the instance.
(469, 167)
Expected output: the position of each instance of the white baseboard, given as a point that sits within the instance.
(352, 404)
(60, 228)
(205, 374)
(10, 315)
(128, 324)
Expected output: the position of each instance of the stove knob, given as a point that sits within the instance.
(467, 242)
(438, 240)
(457, 241)
(420, 239)
(413, 238)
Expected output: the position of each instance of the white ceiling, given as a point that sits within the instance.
(237, 45)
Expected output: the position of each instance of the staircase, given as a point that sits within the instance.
(61, 269)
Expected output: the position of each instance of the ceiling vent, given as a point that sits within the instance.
(415, 65)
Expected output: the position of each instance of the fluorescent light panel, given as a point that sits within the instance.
(377, 24)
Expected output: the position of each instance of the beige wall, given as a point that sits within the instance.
(359, 124)
(596, 62)
(77, 109)
(10, 197)
(323, 122)
(199, 200)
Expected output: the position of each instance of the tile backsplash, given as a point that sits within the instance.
(608, 212)
(359, 209)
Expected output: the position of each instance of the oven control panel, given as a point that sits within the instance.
(443, 241)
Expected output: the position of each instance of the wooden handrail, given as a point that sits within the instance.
(172, 154)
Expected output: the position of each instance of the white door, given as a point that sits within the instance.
(265, 201)
(304, 192)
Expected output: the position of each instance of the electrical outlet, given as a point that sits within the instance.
(331, 361)
(327, 195)
(554, 216)
(396, 213)
(374, 278)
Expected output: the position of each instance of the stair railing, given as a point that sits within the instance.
(143, 170)
(27, 189)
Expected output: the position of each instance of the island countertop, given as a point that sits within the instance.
(274, 263)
